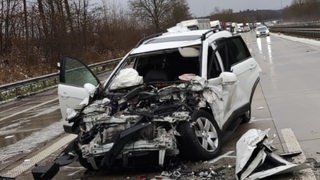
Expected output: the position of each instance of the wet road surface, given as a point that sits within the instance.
(289, 80)
(287, 97)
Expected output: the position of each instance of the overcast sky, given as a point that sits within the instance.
(205, 7)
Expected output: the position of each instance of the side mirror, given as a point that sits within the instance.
(91, 89)
(228, 78)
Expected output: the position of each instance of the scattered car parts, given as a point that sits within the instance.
(256, 159)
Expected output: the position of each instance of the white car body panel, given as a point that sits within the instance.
(172, 94)
(247, 73)
(146, 47)
(163, 46)
(234, 95)
(70, 97)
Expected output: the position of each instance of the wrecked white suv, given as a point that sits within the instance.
(173, 95)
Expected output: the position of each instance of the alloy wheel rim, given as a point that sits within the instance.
(206, 134)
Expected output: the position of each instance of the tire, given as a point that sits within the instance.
(246, 117)
(201, 138)
(84, 161)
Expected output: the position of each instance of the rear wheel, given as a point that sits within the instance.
(201, 138)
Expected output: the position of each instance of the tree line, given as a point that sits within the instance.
(302, 10)
(247, 16)
(299, 10)
(36, 34)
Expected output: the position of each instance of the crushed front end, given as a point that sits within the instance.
(134, 122)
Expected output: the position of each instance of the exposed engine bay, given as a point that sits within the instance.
(136, 121)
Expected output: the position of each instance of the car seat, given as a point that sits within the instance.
(155, 75)
(156, 70)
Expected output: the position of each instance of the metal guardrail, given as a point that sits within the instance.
(33, 85)
(308, 30)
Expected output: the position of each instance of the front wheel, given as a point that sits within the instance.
(246, 117)
(201, 138)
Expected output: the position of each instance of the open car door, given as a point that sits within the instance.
(73, 75)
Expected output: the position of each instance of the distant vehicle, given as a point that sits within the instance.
(228, 26)
(234, 29)
(196, 24)
(262, 31)
(240, 27)
(215, 25)
(246, 29)
(257, 24)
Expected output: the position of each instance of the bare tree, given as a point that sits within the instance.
(179, 13)
(35, 34)
(67, 7)
(43, 18)
(155, 12)
(298, 2)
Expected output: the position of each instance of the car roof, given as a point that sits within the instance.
(172, 40)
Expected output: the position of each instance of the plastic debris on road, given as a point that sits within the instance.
(256, 160)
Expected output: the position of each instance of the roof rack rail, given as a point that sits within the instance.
(203, 37)
(148, 37)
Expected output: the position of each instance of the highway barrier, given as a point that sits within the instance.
(307, 30)
(38, 84)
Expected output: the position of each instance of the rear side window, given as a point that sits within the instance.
(232, 51)
(238, 50)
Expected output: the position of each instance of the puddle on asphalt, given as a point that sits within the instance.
(28, 141)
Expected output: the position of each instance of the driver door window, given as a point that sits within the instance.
(77, 74)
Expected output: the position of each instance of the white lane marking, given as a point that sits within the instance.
(23, 111)
(227, 154)
(15, 131)
(76, 172)
(294, 146)
(24, 166)
(253, 119)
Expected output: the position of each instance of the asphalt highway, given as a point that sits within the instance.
(290, 83)
(287, 97)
